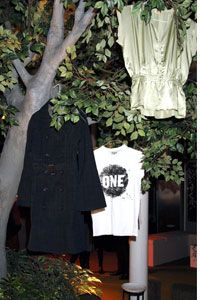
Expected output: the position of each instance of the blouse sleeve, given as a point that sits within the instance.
(120, 39)
(192, 40)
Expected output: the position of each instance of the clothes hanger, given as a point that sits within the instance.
(114, 143)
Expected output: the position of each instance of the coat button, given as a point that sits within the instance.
(45, 189)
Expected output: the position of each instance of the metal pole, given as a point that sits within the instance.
(138, 247)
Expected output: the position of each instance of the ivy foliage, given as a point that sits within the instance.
(46, 277)
(93, 78)
(7, 117)
(9, 44)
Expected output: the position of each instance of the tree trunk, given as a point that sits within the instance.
(11, 165)
(3, 221)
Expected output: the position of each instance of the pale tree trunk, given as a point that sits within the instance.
(11, 164)
(38, 91)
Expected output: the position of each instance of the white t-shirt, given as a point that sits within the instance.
(120, 175)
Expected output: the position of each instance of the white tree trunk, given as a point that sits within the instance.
(3, 221)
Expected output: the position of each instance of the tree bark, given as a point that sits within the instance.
(38, 91)
(11, 164)
(4, 214)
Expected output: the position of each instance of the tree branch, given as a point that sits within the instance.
(82, 21)
(24, 75)
(14, 97)
(83, 18)
(79, 13)
(56, 32)
(53, 55)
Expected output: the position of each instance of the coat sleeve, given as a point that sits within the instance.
(91, 194)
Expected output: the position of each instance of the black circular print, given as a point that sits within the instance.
(114, 180)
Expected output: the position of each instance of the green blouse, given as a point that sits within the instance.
(154, 62)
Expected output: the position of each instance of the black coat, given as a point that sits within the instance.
(59, 182)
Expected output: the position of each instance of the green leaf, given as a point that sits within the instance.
(120, 4)
(107, 114)
(103, 43)
(134, 136)
(136, 7)
(73, 94)
(180, 148)
(95, 111)
(160, 5)
(120, 109)
(88, 110)
(74, 118)
(99, 4)
(111, 41)
(130, 118)
(117, 133)
(107, 53)
(126, 125)
(39, 48)
(174, 161)
(132, 126)
(123, 132)
(109, 122)
(141, 132)
(68, 75)
(104, 9)
(111, 108)
(117, 126)
(58, 125)
(67, 118)
(2, 88)
(118, 119)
